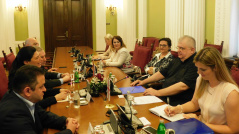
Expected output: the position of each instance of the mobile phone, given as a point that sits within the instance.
(150, 130)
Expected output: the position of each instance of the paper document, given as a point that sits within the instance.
(146, 100)
(159, 110)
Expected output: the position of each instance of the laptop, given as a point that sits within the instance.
(126, 117)
(112, 127)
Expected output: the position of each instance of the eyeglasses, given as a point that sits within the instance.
(163, 45)
(181, 48)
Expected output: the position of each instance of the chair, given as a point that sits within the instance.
(3, 81)
(235, 74)
(137, 43)
(18, 47)
(142, 55)
(218, 47)
(10, 50)
(174, 53)
(9, 60)
(148, 41)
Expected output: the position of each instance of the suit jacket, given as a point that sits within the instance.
(51, 80)
(15, 117)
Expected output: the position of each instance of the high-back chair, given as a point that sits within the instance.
(235, 74)
(218, 47)
(9, 59)
(3, 81)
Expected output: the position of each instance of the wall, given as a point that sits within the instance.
(210, 21)
(156, 18)
(155, 24)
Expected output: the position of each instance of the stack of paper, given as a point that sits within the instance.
(146, 100)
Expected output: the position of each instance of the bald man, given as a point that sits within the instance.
(180, 75)
(31, 42)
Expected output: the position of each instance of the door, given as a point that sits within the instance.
(67, 23)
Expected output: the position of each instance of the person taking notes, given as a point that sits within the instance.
(216, 94)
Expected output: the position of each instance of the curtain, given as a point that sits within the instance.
(33, 19)
(100, 24)
(126, 22)
(142, 19)
(7, 26)
(234, 29)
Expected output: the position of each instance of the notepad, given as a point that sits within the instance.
(159, 110)
(135, 89)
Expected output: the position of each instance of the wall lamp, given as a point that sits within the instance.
(20, 8)
(112, 9)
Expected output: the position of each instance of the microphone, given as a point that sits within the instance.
(122, 79)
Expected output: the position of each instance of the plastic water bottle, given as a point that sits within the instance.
(161, 127)
(76, 99)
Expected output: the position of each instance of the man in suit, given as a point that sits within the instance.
(31, 42)
(53, 78)
(180, 75)
(20, 112)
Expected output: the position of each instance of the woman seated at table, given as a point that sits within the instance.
(162, 59)
(216, 94)
(120, 54)
(109, 51)
(29, 56)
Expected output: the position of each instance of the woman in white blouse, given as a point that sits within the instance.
(216, 94)
(120, 54)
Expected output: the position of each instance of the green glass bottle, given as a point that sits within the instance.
(161, 127)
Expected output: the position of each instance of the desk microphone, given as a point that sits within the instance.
(121, 79)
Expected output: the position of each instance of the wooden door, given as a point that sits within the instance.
(67, 23)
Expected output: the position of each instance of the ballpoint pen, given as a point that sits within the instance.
(168, 106)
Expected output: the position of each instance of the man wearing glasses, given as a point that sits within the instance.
(180, 75)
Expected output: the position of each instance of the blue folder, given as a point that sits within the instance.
(189, 126)
(136, 89)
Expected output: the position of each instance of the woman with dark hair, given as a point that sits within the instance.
(162, 59)
(29, 56)
(216, 94)
(120, 54)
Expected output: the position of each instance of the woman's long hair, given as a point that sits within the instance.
(25, 54)
(120, 40)
(211, 57)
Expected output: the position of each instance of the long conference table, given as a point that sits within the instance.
(94, 112)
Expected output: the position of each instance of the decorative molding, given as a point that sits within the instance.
(174, 21)
(126, 22)
(100, 24)
(142, 19)
(222, 24)
(194, 21)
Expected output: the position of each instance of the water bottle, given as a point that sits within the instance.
(76, 99)
(161, 128)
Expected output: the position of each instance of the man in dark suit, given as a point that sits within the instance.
(20, 112)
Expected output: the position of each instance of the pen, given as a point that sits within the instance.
(133, 89)
(168, 106)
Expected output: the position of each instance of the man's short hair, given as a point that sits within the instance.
(26, 76)
(190, 40)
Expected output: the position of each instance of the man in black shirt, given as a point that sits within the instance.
(180, 75)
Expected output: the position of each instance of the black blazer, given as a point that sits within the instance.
(51, 79)
(15, 117)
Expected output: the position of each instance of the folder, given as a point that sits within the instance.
(189, 126)
(135, 89)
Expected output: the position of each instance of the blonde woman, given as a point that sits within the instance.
(107, 54)
(120, 54)
(216, 94)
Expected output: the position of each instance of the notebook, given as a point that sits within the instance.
(189, 126)
(135, 89)
(159, 110)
